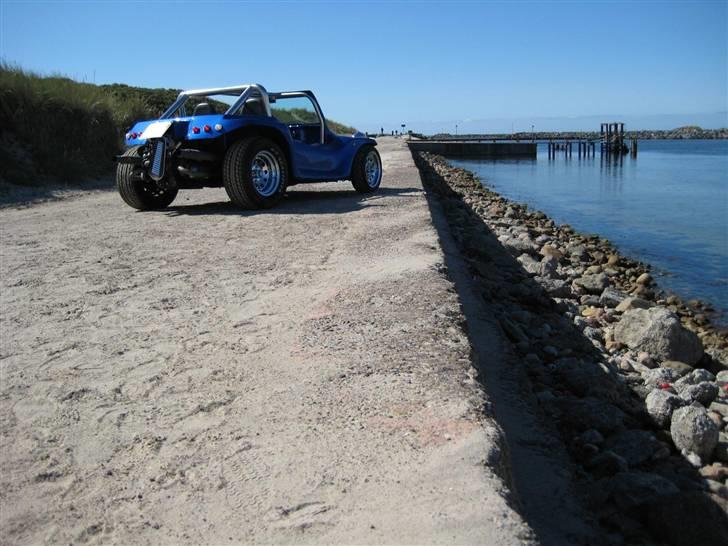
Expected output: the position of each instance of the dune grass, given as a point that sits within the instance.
(52, 127)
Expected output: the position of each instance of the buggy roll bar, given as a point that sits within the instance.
(246, 91)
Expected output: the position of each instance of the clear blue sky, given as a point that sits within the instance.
(427, 64)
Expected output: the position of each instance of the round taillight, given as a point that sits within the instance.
(207, 128)
(218, 127)
(196, 130)
(133, 136)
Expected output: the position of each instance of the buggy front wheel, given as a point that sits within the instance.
(138, 192)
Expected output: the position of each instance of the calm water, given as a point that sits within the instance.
(667, 207)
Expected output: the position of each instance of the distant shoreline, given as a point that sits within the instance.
(681, 133)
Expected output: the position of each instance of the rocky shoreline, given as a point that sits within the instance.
(635, 380)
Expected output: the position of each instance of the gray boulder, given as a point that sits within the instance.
(658, 332)
(661, 404)
(687, 518)
(679, 367)
(587, 413)
(556, 288)
(633, 303)
(634, 446)
(693, 378)
(653, 378)
(592, 284)
(692, 430)
(530, 264)
(549, 267)
(632, 489)
(611, 297)
(704, 393)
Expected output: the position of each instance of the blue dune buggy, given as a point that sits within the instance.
(253, 143)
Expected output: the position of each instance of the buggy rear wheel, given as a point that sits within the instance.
(366, 171)
(135, 191)
(255, 173)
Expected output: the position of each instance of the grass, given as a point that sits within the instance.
(52, 127)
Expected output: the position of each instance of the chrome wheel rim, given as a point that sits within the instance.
(373, 169)
(265, 172)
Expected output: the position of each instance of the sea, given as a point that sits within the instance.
(667, 207)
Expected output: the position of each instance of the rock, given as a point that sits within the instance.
(578, 252)
(606, 463)
(688, 518)
(633, 303)
(704, 393)
(657, 376)
(645, 359)
(594, 334)
(693, 378)
(591, 436)
(692, 430)
(593, 284)
(715, 471)
(587, 413)
(693, 458)
(722, 377)
(550, 250)
(680, 367)
(549, 267)
(611, 297)
(632, 489)
(661, 404)
(659, 332)
(554, 287)
(645, 278)
(580, 377)
(517, 246)
(593, 269)
(721, 407)
(530, 264)
(634, 446)
(513, 331)
(717, 418)
(721, 451)
(613, 260)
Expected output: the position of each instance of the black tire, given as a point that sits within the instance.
(237, 173)
(137, 193)
(359, 178)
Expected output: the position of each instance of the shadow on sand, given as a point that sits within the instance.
(298, 201)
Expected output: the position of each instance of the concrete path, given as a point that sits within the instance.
(205, 375)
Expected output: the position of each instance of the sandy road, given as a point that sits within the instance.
(202, 375)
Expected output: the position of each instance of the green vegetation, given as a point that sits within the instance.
(57, 127)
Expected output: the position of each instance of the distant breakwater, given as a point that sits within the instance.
(682, 133)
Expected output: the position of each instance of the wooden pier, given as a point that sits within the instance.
(584, 148)
(611, 140)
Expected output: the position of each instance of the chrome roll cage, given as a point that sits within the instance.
(245, 92)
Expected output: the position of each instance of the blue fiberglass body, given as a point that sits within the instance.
(309, 161)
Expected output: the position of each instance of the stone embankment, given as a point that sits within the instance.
(634, 380)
